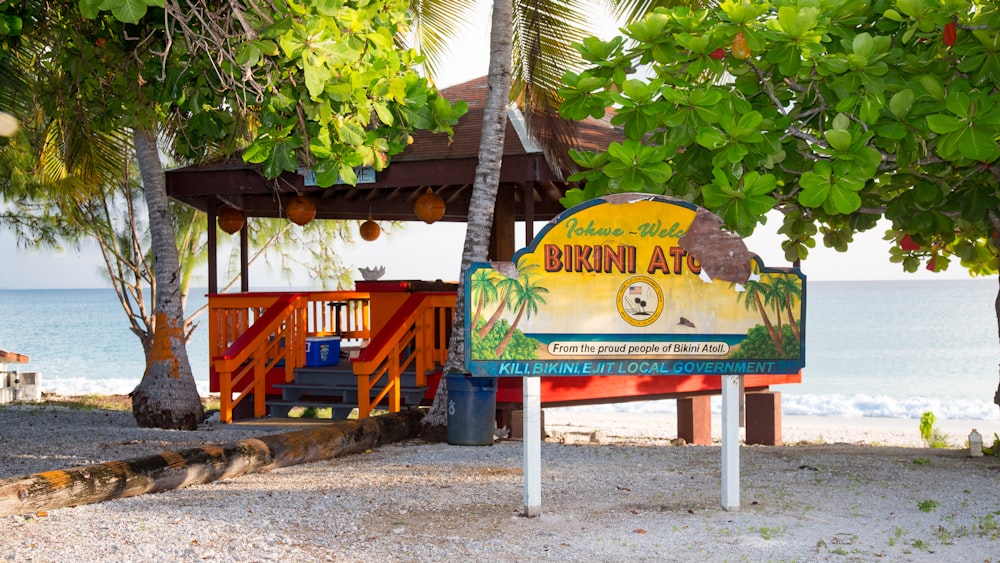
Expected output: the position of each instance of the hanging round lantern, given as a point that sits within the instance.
(429, 207)
(301, 210)
(370, 230)
(231, 220)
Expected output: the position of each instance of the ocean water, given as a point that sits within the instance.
(881, 348)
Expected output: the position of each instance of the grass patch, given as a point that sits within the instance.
(929, 505)
(118, 403)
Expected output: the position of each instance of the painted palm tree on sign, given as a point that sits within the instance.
(526, 296)
(484, 292)
(507, 285)
(790, 291)
(753, 297)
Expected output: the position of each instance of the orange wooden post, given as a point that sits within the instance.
(225, 397)
(260, 386)
(694, 419)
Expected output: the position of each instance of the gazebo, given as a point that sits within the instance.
(529, 188)
(529, 191)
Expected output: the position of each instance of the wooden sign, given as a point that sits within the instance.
(634, 284)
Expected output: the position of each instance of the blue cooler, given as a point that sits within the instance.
(322, 351)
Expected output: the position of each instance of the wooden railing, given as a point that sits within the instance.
(415, 337)
(251, 334)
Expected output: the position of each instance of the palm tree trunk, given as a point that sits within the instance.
(167, 396)
(510, 331)
(484, 191)
(791, 318)
(768, 325)
(996, 310)
(486, 328)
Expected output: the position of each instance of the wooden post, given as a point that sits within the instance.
(501, 246)
(213, 246)
(174, 470)
(763, 425)
(694, 419)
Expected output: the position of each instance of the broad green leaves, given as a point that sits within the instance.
(969, 129)
(323, 80)
(841, 110)
(835, 194)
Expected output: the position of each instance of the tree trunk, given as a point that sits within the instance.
(175, 470)
(167, 396)
(996, 312)
(484, 192)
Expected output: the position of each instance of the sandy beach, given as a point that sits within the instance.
(842, 490)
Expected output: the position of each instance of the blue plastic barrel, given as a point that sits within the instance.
(472, 405)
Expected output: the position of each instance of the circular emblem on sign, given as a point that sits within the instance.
(640, 301)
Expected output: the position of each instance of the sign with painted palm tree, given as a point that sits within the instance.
(634, 284)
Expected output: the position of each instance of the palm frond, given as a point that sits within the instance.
(436, 23)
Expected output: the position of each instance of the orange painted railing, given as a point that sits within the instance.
(416, 336)
(251, 334)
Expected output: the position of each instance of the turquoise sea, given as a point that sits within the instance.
(874, 348)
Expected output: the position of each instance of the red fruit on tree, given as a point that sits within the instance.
(718, 54)
(948, 36)
(739, 48)
(907, 244)
(931, 263)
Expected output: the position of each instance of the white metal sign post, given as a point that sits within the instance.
(532, 446)
(731, 442)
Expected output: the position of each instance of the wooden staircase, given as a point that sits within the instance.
(335, 387)
(258, 346)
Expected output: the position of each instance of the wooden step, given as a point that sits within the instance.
(280, 408)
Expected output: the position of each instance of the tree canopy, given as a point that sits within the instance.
(835, 113)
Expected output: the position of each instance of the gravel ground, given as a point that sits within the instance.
(630, 497)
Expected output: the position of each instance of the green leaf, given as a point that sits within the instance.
(839, 139)
(863, 45)
(711, 138)
(932, 86)
(348, 175)
(282, 159)
(248, 55)
(958, 103)
(844, 195)
(90, 8)
(943, 124)
(976, 144)
(901, 102)
(350, 132)
(259, 150)
(893, 15)
(277, 29)
(383, 113)
(131, 11)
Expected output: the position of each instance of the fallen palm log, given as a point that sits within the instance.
(174, 470)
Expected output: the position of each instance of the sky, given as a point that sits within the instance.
(428, 252)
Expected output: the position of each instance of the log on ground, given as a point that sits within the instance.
(174, 470)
